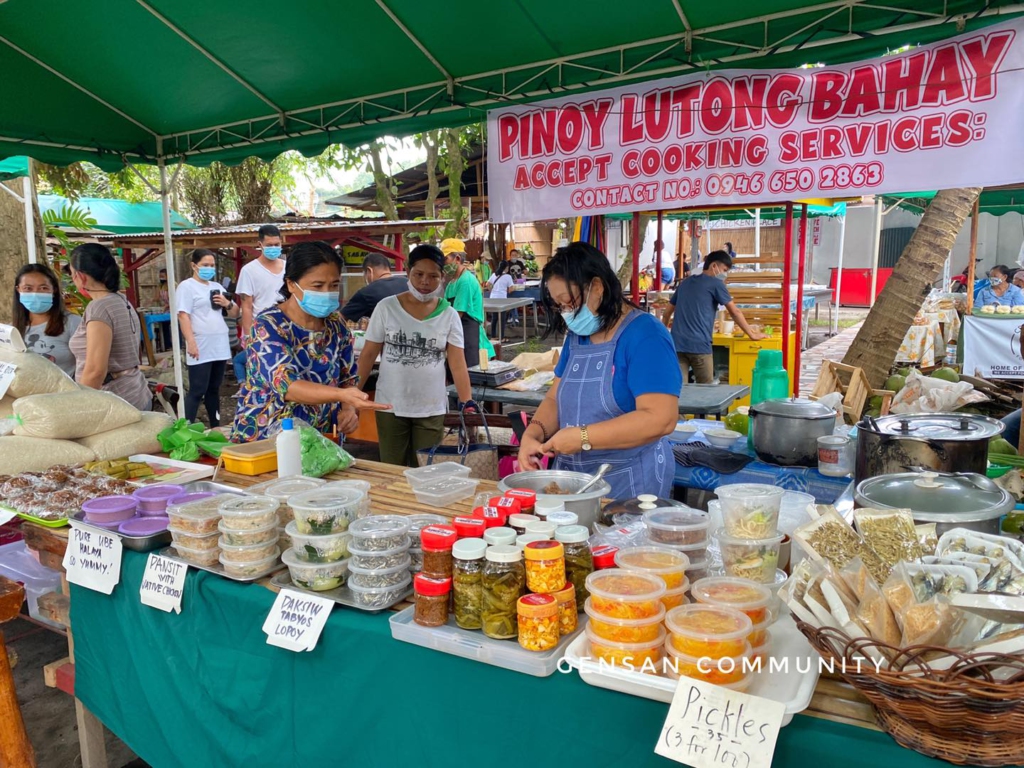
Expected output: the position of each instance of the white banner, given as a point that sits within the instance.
(992, 347)
(938, 116)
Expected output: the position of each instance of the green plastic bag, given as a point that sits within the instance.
(184, 441)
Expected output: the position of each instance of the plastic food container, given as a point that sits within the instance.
(153, 499)
(708, 631)
(445, 491)
(245, 513)
(186, 498)
(198, 517)
(754, 559)
(432, 473)
(750, 510)
(309, 548)
(326, 510)
(762, 651)
(673, 598)
(110, 509)
(379, 597)
(678, 526)
(620, 594)
(697, 571)
(142, 526)
(379, 558)
(637, 657)
(203, 543)
(379, 577)
(248, 554)
(759, 634)
(741, 594)
(379, 533)
(284, 541)
(359, 486)
(625, 630)
(256, 458)
(206, 557)
(249, 537)
(247, 569)
(283, 489)
(669, 564)
(733, 672)
(418, 522)
(318, 577)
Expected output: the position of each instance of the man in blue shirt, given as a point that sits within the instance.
(693, 308)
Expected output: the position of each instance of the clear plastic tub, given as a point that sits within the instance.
(432, 473)
(284, 541)
(249, 537)
(759, 634)
(698, 570)
(379, 558)
(637, 657)
(763, 650)
(750, 510)
(669, 564)
(418, 522)
(742, 594)
(380, 597)
(283, 489)
(245, 513)
(733, 672)
(677, 526)
(247, 554)
(621, 594)
(203, 543)
(318, 577)
(624, 630)
(379, 578)
(198, 517)
(754, 559)
(379, 532)
(446, 491)
(360, 486)
(205, 557)
(310, 548)
(249, 569)
(708, 631)
(326, 510)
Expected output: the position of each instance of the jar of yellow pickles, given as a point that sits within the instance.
(568, 613)
(545, 566)
(538, 622)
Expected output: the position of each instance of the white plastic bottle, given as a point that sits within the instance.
(289, 450)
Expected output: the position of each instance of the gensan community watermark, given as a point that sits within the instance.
(729, 666)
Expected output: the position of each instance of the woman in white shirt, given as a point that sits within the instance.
(201, 305)
(415, 333)
(499, 283)
(40, 316)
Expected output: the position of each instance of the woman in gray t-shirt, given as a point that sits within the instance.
(40, 316)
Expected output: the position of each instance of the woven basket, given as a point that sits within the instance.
(966, 714)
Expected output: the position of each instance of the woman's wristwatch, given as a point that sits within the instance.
(585, 437)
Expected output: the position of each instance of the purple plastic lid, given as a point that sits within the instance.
(158, 492)
(111, 526)
(143, 526)
(106, 505)
(186, 498)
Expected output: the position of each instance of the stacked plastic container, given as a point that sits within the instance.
(283, 489)
(742, 595)
(668, 564)
(248, 536)
(683, 530)
(749, 538)
(379, 563)
(441, 485)
(626, 615)
(194, 528)
(709, 643)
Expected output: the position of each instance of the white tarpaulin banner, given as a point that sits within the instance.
(939, 116)
(992, 347)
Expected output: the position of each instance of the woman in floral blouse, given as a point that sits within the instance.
(299, 355)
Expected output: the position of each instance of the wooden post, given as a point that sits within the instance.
(636, 258)
(15, 748)
(787, 275)
(972, 254)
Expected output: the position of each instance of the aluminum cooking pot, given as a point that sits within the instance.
(587, 506)
(786, 431)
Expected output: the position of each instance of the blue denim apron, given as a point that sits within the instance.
(585, 397)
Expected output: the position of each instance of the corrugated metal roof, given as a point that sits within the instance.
(383, 227)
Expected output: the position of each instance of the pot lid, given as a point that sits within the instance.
(794, 407)
(936, 426)
(935, 497)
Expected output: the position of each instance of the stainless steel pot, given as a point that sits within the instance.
(944, 442)
(786, 431)
(962, 500)
(587, 506)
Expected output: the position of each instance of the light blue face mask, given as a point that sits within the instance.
(319, 303)
(582, 322)
(272, 251)
(207, 273)
(36, 303)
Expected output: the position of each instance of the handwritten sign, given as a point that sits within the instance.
(296, 620)
(93, 559)
(163, 583)
(10, 339)
(712, 726)
(7, 371)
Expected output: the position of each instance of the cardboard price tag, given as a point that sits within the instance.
(7, 371)
(93, 559)
(708, 725)
(296, 620)
(163, 583)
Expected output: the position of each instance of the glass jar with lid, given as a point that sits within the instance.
(538, 622)
(467, 582)
(545, 566)
(432, 597)
(504, 582)
(579, 560)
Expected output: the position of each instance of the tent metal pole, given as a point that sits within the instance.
(787, 276)
(657, 253)
(30, 219)
(839, 273)
(636, 258)
(798, 346)
(972, 254)
(165, 205)
(874, 252)
(757, 239)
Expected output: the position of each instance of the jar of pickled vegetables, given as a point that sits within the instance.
(568, 613)
(538, 622)
(469, 527)
(432, 597)
(545, 566)
(504, 582)
(579, 561)
(527, 499)
(518, 522)
(509, 506)
(437, 542)
(496, 536)
(468, 582)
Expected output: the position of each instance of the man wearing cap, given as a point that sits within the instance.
(467, 298)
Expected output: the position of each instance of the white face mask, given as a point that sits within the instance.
(425, 297)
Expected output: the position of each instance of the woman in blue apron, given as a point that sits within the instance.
(616, 391)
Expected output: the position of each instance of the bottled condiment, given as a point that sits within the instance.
(492, 516)
(604, 556)
(527, 499)
(527, 538)
(568, 612)
(469, 527)
(563, 519)
(579, 561)
(518, 522)
(468, 582)
(542, 527)
(431, 600)
(538, 622)
(504, 583)
(496, 536)
(545, 566)
(545, 507)
(436, 541)
(507, 505)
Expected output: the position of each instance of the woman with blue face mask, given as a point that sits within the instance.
(299, 362)
(615, 396)
(40, 316)
(201, 304)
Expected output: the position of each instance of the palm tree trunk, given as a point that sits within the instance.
(878, 341)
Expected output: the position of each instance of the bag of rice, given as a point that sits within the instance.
(6, 407)
(126, 441)
(71, 415)
(34, 454)
(35, 375)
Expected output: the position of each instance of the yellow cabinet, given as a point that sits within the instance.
(743, 357)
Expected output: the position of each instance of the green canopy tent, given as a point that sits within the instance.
(11, 169)
(118, 216)
(993, 201)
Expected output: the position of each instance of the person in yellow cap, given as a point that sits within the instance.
(467, 298)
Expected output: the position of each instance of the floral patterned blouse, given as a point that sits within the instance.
(280, 352)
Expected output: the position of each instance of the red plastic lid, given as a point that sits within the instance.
(431, 586)
(510, 505)
(604, 556)
(492, 516)
(438, 537)
(526, 497)
(468, 527)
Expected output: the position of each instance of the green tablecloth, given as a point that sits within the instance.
(203, 689)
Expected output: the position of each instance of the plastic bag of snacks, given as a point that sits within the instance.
(320, 455)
